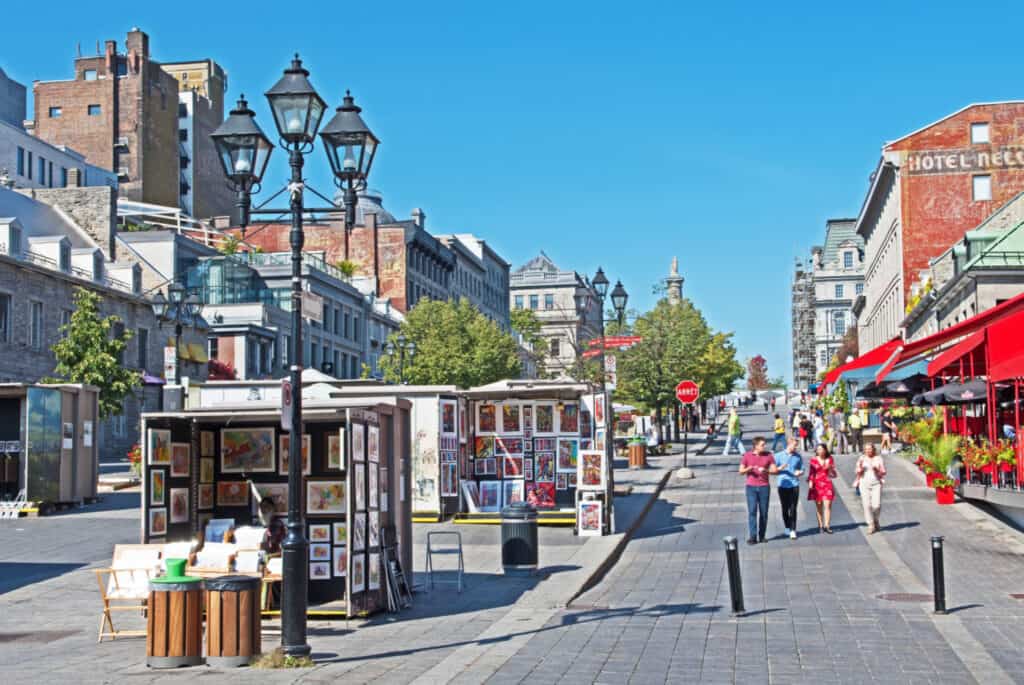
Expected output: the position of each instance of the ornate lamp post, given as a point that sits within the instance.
(183, 306)
(401, 347)
(619, 298)
(244, 152)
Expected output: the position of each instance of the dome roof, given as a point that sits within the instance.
(369, 202)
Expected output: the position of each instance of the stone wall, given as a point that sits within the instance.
(94, 208)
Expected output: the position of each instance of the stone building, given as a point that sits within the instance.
(481, 276)
(12, 101)
(802, 315)
(837, 279)
(541, 286)
(929, 188)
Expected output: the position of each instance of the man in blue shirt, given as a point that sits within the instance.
(790, 465)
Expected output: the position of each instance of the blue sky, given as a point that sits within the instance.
(604, 133)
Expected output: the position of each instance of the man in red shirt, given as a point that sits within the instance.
(757, 465)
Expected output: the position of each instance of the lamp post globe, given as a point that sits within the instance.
(349, 142)
(619, 299)
(193, 305)
(244, 151)
(600, 283)
(177, 293)
(296, 106)
(160, 305)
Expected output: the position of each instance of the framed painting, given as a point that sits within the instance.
(358, 432)
(157, 487)
(463, 432)
(599, 439)
(374, 498)
(448, 421)
(591, 474)
(285, 444)
(373, 574)
(569, 418)
(487, 418)
(528, 468)
(490, 495)
(544, 419)
(484, 447)
(568, 452)
(511, 418)
(585, 427)
(358, 533)
(544, 445)
(449, 480)
(360, 486)
(480, 467)
(339, 562)
(181, 454)
(320, 570)
(159, 446)
(205, 496)
(320, 551)
(589, 515)
(562, 481)
(572, 479)
(179, 505)
(506, 445)
(513, 491)
(373, 443)
(374, 530)
(358, 573)
(206, 470)
(325, 497)
(384, 489)
(541, 495)
(320, 533)
(158, 521)
(206, 444)
(544, 468)
(599, 411)
(246, 450)
(278, 493)
(339, 531)
(232, 493)
(513, 466)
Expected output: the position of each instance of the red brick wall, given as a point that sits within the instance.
(93, 136)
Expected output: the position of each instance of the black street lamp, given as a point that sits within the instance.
(619, 298)
(401, 347)
(244, 151)
(183, 306)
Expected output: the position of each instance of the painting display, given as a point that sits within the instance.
(544, 445)
(358, 573)
(232, 493)
(339, 530)
(490, 495)
(319, 570)
(487, 418)
(504, 445)
(246, 450)
(340, 562)
(528, 468)
(360, 485)
(157, 486)
(319, 551)
(374, 491)
(373, 443)
(374, 572)
(589, 517)
(562, 481)
(206, 470)
(179, 505)
(541, 495)
(599, 410)
(513, 466)
(158, 521)
(544, 469)
(569, 418)
(357, 442)
(511, 421)
(448, 410)
(159, 446)
(359, 533)
(319, 532)
(513, 491)
(284, 447)
(278, 493)
(181, 453)
(568, 452)
(591, 470)
(484, 447)
(374, 530)
(206, 444)
(334, 454)
(449, 480)
(544, 418)
(325, 497)
(205, 496)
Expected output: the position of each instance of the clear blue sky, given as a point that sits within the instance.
(613, 134)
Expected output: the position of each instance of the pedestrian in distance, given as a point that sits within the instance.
(869, 480)
(807, 431)
(765, 403)
(734, 437)
(757, 465)
(889, 431)
(780, 434)
(773, 404)
(856, 427)
(820, 472)
(790, 467)
(837, 427)
(819, 428)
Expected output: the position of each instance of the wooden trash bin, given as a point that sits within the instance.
(232, 620)
(637, 455)
(174, 630)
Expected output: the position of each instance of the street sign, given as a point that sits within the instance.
(170, 363)
(286, 404)
(610, 371)
(614, 341)
(687, 392)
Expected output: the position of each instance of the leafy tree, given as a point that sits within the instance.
(90, 353)
(526, 323)
(757, 373)
(777, 382)
(455, 344)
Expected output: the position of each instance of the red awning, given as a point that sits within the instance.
(968, 350)
(1005, 352)
(870, 358)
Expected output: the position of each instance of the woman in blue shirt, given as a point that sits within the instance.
(790, 465)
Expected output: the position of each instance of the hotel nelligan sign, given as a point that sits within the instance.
(957, 161)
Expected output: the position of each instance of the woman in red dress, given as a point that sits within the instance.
(819, 476)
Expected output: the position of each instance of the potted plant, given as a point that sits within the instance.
(135, 459)
(1005, 457)
(944, 490)
(941, 455)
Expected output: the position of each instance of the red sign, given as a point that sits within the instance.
(612, 341)
(687, 392)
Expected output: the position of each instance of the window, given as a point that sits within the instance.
(549, 301)
(353, 367)
(50, 174)
(982, 186)
(63, 177)
(55, 112)
(533, 302)
(65, 258)
(118, 333)
(823, 358)
(848, 259)
(346, 327)
(326, 357)
(337, 364)
(35, 325)
(979, 133)
(337, 322)
(117, 426)
(556, 348)
(42, 171)
(839, 291)
(839, 323)
(327, 318)
(21, 161)
(142, 345)
(65, 321)
(859, 288)
(95, 110)
(355, 327)
(5, 317)
(29, 165)
(183, 135)
(213, 348)
(89, 74)
(182, 110)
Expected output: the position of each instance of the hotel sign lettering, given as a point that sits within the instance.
(955, 161)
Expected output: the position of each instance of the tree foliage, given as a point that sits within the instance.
(526, 323)
(757, 373)
(455, 345)
(90, 353)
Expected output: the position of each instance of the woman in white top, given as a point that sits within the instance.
(819, 429)
(870, 478)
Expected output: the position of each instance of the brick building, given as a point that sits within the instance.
(930, 187)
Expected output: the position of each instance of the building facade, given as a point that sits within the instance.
(550, 292)
(802, 314)
(930, 187)
(837, 279)
(12, 101)
(481, 276)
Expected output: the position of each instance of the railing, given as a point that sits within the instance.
(285, 259)
(991, 259)
(116, 284)
(41, 260)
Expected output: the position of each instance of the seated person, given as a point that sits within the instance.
(274, 536)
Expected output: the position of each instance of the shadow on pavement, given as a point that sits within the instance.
(110, 501)
(661, 520)
(900, 526)
(16, 574)
(748, 614)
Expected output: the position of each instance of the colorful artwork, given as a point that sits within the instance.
(278, 494)
(505, 445)
(448, 409)
(541, 495)
(599, 440)
(484, 447)
(562, 481)
(373, 443)
(340, 562)
(586, 444)
(471, 491)
(513, 491)
(588, 517)
(319, 570)
(206, 470)
(513, 466)
(374, 534)
(462, 421)
(490, 495)
(358, 573)
(449, 480)
(232, 493)
(527, 421)
(487, 418)
(374, 575)
(480, 467)
(157, 487)
(528, 468)
(320, 532)
(206, 444)
(569, 418)
(205, 496)
(320, 551)
(374, 491)
(339, 530)
(572, 480)
(568, 451)
(360, 486)
(358, 431)
(179, 505)
(181, 453)
(359, 533)
(285, 446)
(544, 471)
(246, 450)
(544, 445)
(384, 489)
(334, 445)
(159, 446)
(599, 410)
(585, 423)
(544, 418)
(511, 421)
(591, 473)
(325, 497)
(158, 521)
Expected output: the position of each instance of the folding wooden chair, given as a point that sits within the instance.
(125, 585)
(213, 559)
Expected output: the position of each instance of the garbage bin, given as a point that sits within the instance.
(637, 454)
(232, 620)
(519, 539)
(174, 623)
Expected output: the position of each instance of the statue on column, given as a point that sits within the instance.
(674, 283)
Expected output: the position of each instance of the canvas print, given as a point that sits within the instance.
(339, 530)
(599, 410)
(320, 532)
(358, 431)
(374, 491)
(206, 470)
(359, 533)
(588, 517)
(513, 466)
(158, 521)
(490, 495)
(159, 446)
(528, 468)
(484, 447)
(232, 493)
(527, 446)
(511, 421)
(471, 491)
(527, 420)
(448, 410)
(384, 483)
(591, 472)
(319, 570)
(599, 440)
(285, 445)
(206, 444)
(358, 575)
(480, 467)
(544, 445)
(492, 466)
(374, 530)
(360, 486)
(505, 445)
(324, 497)
(487, 418)
(462, 421)
(205, 493)
(181, 453)
(544, 418)
(449, 480)
(373, 443)
(320, 551)
(157, 487)
(374, 572)
(585, 422)
(541, 495)
(334, 447)
(544, 469)
(562, 481)
(513, 491)
(568, 452)
(572, 479)
(340, 562)
(179, 505)
(569, 418)
(278, 493)
(246, 450)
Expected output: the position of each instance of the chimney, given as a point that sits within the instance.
(110, 52)
(138, 42)
(419, 218)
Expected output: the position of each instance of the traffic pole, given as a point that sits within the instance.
(686, 438)
(938, 575)
(732, 562)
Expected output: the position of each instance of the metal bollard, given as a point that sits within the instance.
(938, 575)
(732, 561)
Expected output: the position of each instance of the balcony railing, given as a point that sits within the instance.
(285, 259)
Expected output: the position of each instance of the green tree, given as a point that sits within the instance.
(526, 323)
(90, 353)
(455, 344)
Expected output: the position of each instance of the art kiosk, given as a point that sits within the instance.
(533, 440)
(198, 465)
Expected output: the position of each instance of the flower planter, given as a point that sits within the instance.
(944, 495)
(930, 477)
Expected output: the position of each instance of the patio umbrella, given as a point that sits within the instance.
(962, 393)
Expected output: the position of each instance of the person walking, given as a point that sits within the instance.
(806, 431)
(886, 425)
(856, 426)
(819, 428)
(735, 434)
(780, 434)
(870, 478)
(757, 465)
(790, 466)
(837, 427)
(820, 472)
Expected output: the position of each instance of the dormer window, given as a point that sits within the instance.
(65, 258)
(97, 267)
(848, 259)
(14, 249)
(979, 134)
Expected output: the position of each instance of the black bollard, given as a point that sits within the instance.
(938, 575)
(732, 561)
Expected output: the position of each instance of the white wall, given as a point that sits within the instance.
(883, 277)
(11, 138)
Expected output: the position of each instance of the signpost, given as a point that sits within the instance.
(687, 392)
(286, 404)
